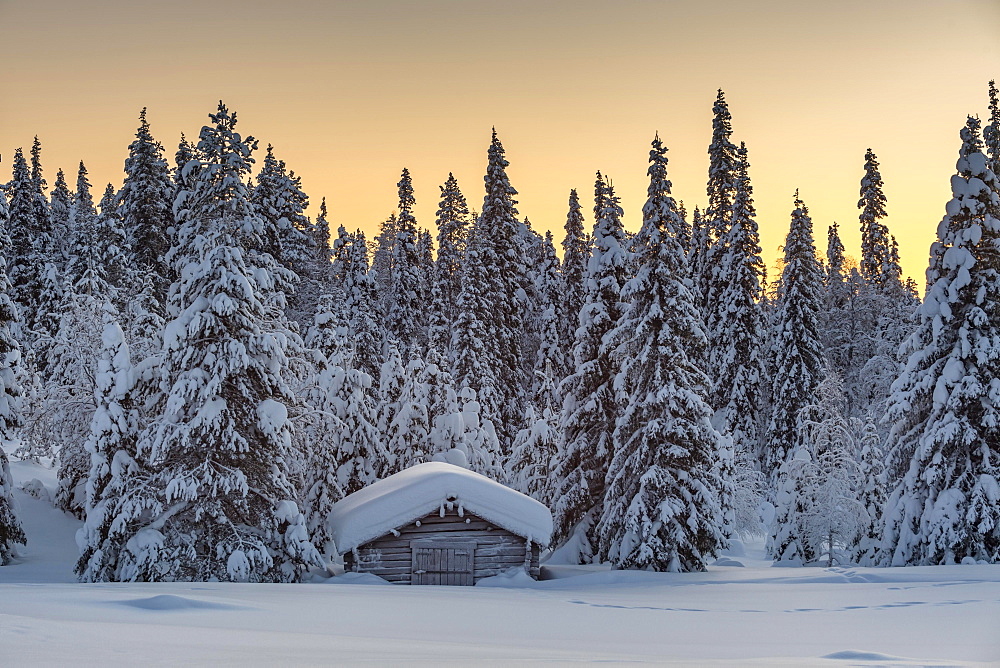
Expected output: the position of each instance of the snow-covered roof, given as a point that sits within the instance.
(409, 495)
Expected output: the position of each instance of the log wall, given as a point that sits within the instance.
(496, 550)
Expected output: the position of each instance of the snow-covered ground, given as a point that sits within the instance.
(731, 615)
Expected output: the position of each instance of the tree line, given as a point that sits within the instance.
(212, 368)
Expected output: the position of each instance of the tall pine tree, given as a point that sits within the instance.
(944, 409)
(797, 353)
(217, 447)
(590, 404)
(662, 507)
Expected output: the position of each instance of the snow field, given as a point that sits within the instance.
(730, 615)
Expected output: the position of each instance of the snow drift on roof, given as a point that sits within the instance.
(419, 490)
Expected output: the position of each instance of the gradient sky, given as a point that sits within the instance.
(351, 92)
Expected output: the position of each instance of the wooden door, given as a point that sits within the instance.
(442, 562)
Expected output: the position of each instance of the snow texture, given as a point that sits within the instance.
(411, 494)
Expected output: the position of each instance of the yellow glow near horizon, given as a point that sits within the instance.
(351, 92)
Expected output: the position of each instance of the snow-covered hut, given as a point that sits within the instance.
(437, 523)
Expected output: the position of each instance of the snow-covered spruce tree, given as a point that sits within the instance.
(321, 240)
(589, 405)
(786, 541)
(880, 310)
(392, 377)
(487, 342)
(64, 415)
(146, 210)
(111, 445)
(796, 350)
(60, 203)
(217, 445)
(406, 302)
(11, 393)
(684, 230)
(576, 254)
(991, 133)
(535, 449)
(875, 241)
(112, 252)
(61, 416)
(406, 436)
(280, 202)
(944, 410)
(551, 363)
(661, 508)
(359, 289)
(453, 225)
(33, 256)
(872, 494)
(736, 329)
(21, 226)
(825, 515)
(698, 250)
(185, 153)
(341, 449)
(838, 325)
(84, 273)
(723, 164)
(384, 254)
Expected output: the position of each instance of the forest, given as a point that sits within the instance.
(211, 369)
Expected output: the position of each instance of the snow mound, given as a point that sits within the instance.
(357, 579)
(725, 561)
(409, 495)
(858, 655)
(167, 602)
(510, 578)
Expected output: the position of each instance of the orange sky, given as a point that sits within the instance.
(351, 92)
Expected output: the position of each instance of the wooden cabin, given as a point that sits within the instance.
(437, 523)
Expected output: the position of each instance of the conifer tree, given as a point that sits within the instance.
(392, 377)
(551, 364)
(11, 392)
(453, 224)
(872, 494)
(383, 257)
(944, 411)
(576, 255)
(796, 350)
(223, 505)
(698, 252)
(280, 202)
(111, 445)
(406, 299)
(589, 406)
(684, 230)
(487, 343)
(407, 435)
(110, 238)
(662, 507)
(84, 272)
(839, 331)
(60, 206)
(736, 328)
(875, 239)
(991, 133)
(534, 454)
(320, 233)
(361, 306)
(723, 166)
(42, 237)
(819, 510)
(146, 209)
(21, 227)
